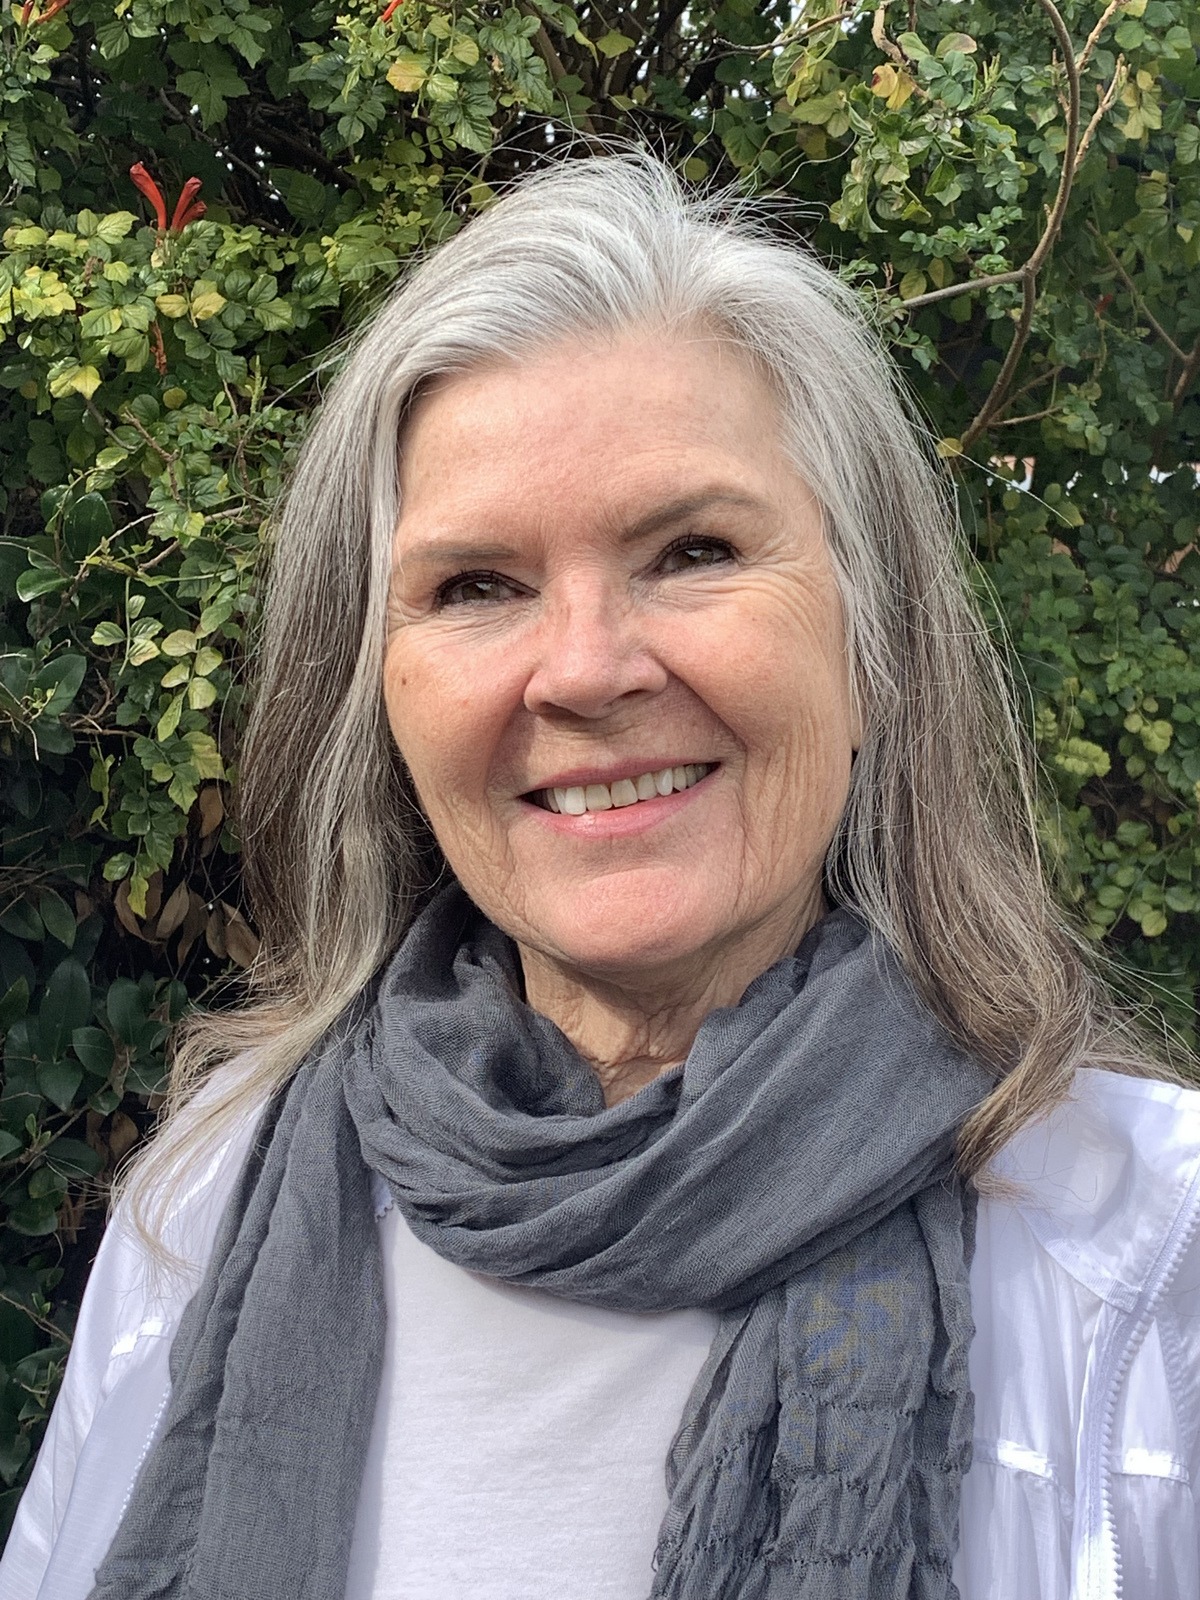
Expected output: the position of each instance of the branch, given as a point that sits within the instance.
(993, 281)
(1066, 178)
(554, 65)
(1135, 294)
(1093, 38)
(1028, 274)
(1191, 367)
(880, 38)
(1004, 377)
(1120, 73)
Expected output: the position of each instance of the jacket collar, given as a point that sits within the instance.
(1105, 1178)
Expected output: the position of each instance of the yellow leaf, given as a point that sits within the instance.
(912, 284)
(172, 305)
(176, 675)
(206, 758)
(883, 81)
(207, 304)
(169, 720)
(201, 694)
(75, 380)
(180, 643)
(207, 660)
(948, 448)
(406, 73)
(139, 887)
(174, 398)
(614, 44)
(85, 382)
(901, 92)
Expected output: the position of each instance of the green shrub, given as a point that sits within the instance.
(157, 371)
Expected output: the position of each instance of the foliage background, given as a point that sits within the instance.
(1014, 187)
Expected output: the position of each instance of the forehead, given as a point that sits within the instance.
(604, 420)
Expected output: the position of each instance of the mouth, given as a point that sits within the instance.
(576, 799)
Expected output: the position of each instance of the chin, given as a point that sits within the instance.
(625, 932)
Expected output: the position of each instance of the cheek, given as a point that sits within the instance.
(448, 714)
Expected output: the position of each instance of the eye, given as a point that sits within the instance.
(475, 588)
(691, 550)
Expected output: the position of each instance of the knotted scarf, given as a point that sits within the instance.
(794, 1175)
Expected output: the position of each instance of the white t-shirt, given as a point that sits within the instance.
(519, 1440)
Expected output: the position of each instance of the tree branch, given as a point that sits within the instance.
(880, 39)
(1027, 274)
(1093, 38)
(1135, 294)
(1120, 73)
(1004, 377)
(1191, 367)
(554, 65)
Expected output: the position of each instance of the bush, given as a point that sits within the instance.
(1014, 189)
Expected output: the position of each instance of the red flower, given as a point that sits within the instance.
(389, 11)
(187, 207)
(51, 10)
(143, 181)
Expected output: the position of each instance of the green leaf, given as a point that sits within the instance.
(73, 1159)
(9, 1144)
(66, 1005)
(210, 89)
(58, 918)
(58, 1082)
(14, 1003)
(22, 921)
(614, 44)
(32, 584)
(95, 1049)
(126, 1010)
(34, 1218)
(960, 43)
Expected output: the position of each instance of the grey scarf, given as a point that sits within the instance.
(794, 1175)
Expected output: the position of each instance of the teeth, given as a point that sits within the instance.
(573, 802)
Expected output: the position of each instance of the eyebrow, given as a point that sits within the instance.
(438, 552)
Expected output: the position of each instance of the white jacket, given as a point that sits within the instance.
(1085, 1365)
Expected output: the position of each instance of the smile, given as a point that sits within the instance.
(578, 798)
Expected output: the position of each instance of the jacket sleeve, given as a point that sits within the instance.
(114, 1392)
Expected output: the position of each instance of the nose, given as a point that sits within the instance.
(592, 653)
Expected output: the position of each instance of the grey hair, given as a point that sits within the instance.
(937, 846)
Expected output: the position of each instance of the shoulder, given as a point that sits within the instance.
(1108, 1183)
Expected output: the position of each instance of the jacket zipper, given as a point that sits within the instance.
(1097, 1559)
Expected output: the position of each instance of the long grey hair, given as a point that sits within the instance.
(938, 844)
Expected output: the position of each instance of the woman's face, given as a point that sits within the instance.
(616, 665)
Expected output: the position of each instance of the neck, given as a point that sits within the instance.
(633, 1027)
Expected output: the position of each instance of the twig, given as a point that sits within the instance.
(1093, 38)
(1045, 244)
(880, 38)
(41, 1322)
(1191, 367)
(554, 65)
(992, 281)
(1032, 416)
(1120, 73)
(998, 390)
(1136, 294)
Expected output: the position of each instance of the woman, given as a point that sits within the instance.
(602, 1233)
